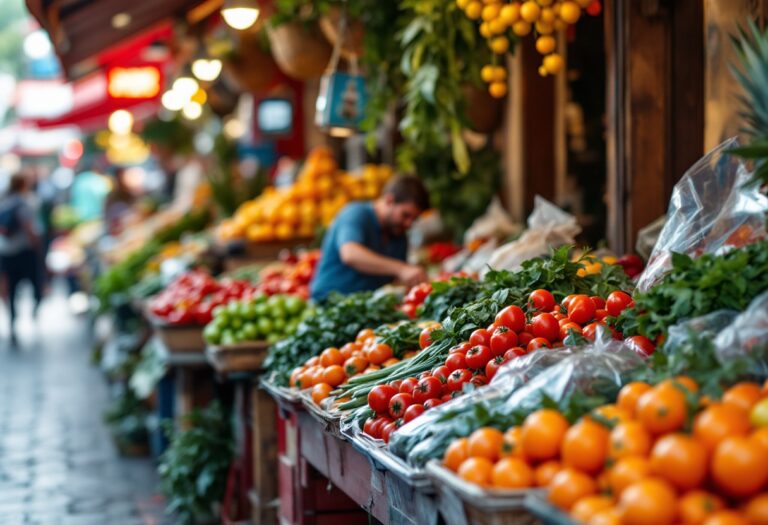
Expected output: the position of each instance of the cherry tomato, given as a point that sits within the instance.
(396, 384)
(502, 339)
(460, 348)
(538, 342)
(377, 426)
(541, 300)
(546, 326)
(617, 302)
(600, 314)
(442, 373)
(514, 353)
(512, 317)
(424, 374)
(599, 302)
(590, 330)
(642, 346)
(368, 426)
(493, 366)
(450, 395)
(523, 338)
(567, 301)
(567, 327)
(427, 388)
(457, 379)
(379, 397)
(425, 338)
(408, 384)
(399, 403)
(478, 356)
(432, 403)
(409, 309)
(387, 430)
(479, 380)
(456, 361)
(413, 411)
(481, 336)
(581, 310)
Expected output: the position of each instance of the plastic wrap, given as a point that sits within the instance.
(519, 388)
(494, 223)
(747, 336)
(711, 209)
(548, 227)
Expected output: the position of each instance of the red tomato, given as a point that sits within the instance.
(479, 380)
(399, 403)
(442, 373)
(379, 397)
(424, 374)
(642, 346)
(546, 326)
(560, 317)
(368, 426)
(478, 356)
(408, 384)
(377, 426)
(432, 403)
(396, 384)
(567, 327)
(502, 339)
(425, 338)
(590, 331)
(460, 348)
(567, 301)
(481, 336)
(541, 300)
(409, 309)
(617, 302)
(412, 412)
(600, 314)
(387, 430)
(538, 342)
(581, 310)
(599, 302)
(523, 338)
(457, 379)
(514, 353)
(493, 366)
(456, 361)
(512, 317)
(427, 388)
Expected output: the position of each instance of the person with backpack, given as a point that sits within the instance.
(19, 246)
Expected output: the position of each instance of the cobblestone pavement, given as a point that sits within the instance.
(58, 464)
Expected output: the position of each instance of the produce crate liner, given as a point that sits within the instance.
(712, 209)
(517, 389)
(747, 336)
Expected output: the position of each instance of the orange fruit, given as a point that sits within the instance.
(455, 454)
(584, 509)
(354, 365)
(740, 466)
(366, 334)
(334, 375)
(320, 392)
(697, 505)
(476, 470)
(306, 379)
(612, 414)
(627, 471)
(389, 362)
(689, 383)
(512, 473)
(312, 361)
(629, 394)
(662, 409)
(485, 443)
(585, 446)
(606, 517)
(545, 472)
(569, 486)
(511, 445)
(756, 510)
(293, 381)
(719, 421)
(743, 395)
(349, 349)
(629, 439)
(650, 501)
(681, 460)
(760, 436)
(542, 433)
(727, 517)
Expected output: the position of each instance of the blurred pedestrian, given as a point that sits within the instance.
(119, 202)
(20, 246)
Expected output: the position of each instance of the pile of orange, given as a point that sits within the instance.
(334, 366)
(661, 455)
(321, 190)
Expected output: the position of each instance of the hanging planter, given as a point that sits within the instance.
(250, 67)
(352, 40)
(484, 112)
(300, 50)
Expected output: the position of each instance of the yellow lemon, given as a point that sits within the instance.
(545, 44)
(490, 12)
(530, 11)
(487, 74)
(499, 74)
(521, 28)
(547, 16)
(553, 63)
(498, 89)
(544, 28)
(496, 27)
(510, 13)
(462, 4)
(485, 30)
(570, 12)
(759, 414)
(474, 10)
(499, 45)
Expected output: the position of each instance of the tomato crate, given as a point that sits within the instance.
(240, 357)
(463, 503)
(330, 420)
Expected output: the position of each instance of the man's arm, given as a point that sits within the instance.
(367, 261)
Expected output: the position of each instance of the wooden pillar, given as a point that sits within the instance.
(655, 52)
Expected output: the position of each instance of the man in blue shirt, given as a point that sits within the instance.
(366, 246)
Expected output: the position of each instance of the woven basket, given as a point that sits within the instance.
(352, 46)
(251, 67)
(300, 50)
(485, 113)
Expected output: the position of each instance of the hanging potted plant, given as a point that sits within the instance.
(249, 64)
(298, 46)
(351, 37)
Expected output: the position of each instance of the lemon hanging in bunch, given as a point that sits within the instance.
(553, 63)
(570, 12)
(474, 10)
(521, 28)
(545, 44)
(530, 11)
(510, 13)
(498, 89)
(499, 45)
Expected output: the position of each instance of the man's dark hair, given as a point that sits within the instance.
(408, 188)
(18, 183)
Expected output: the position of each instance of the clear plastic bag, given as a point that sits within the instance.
(548, 227)
(545, 376)
(747, 336)
(712, 209)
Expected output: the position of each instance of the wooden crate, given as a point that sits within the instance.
(178, 339)
(265, 467)
(241, 357)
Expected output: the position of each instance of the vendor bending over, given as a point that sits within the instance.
(366, 246)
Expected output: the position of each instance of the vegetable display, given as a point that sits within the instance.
(259, 318)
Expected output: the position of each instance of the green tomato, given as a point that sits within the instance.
(273, 338)
(293, 305)
(260, 298)
(250, 331)
(291, 326)
(236, 323)
(265, 326)
(233, 308)
(276, 301)
(251, 311)
(212, 334)
(227, 337)
(278, 326)
(262, 310)
(220, 312)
